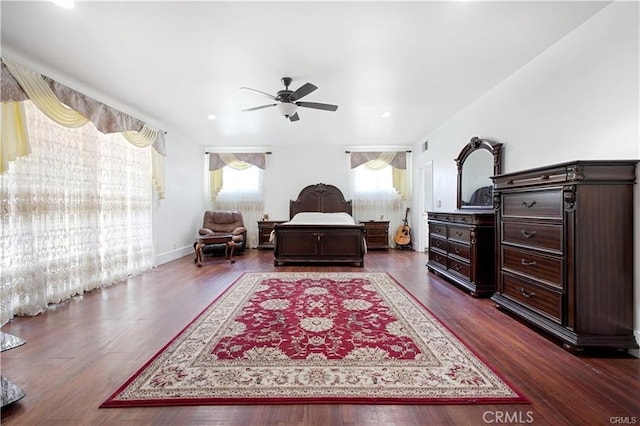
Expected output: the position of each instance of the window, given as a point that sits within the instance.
(77, 215)
(238, 187)
(245, 183)
(377, 184)
(367, 181)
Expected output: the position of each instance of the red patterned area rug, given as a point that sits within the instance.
(313, 337)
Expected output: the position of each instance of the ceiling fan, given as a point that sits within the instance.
(288, 101)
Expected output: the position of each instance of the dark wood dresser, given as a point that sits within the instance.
(461, 248)
(264, 232)
(565, 250)
(377, 234)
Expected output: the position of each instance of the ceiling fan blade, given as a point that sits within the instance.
(315, 105)
(303, 91)
(259, 107)
(294, 117)
(258, 91)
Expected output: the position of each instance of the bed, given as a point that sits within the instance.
(317, 238)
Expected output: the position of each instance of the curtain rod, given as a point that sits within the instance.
(349, 152)
(207, 152)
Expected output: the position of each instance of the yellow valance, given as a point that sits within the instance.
(14, 141)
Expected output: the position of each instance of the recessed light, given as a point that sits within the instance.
(386, 114)
(211, 117)
(67, 4)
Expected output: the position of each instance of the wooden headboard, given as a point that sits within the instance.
(320, 198)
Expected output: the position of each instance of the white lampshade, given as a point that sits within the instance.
(287, 109)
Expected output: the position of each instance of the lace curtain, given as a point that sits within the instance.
(379, 160)
(69, 108)
(374, 197)
(378, 186)
(245, 196)
(75, 215)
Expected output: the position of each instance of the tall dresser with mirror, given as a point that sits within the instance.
(461, 242)
(565, 250)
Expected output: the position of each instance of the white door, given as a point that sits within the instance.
(426, 201)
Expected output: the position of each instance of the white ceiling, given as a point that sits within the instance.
(174, 63)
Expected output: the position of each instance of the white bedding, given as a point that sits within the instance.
(316, 218)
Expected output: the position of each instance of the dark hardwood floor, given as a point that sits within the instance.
(79, 352)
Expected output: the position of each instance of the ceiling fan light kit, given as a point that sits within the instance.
(288, 100)
(287, 109)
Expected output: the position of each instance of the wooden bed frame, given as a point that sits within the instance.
(319, 243)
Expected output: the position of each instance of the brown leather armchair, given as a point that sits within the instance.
(221, 223)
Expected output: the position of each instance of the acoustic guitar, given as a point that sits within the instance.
(403, 235)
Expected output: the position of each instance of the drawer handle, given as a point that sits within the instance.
(526, 294)
(459, 234)
(529, 205)
(457, 268)
(457, 250)
(525, 263)
(528, 234)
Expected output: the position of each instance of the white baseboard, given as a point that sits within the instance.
(174, 254)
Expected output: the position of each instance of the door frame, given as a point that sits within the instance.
(425, 204)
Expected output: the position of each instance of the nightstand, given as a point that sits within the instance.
(264, 232)
(377, 234)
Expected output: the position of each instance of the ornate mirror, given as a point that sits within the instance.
(477, 162)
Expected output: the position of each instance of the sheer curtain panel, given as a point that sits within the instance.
(75, 215)
(69, 108)
(378, 185)
(236, 184)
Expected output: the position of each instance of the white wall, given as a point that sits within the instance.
(178, 216)
(289, 169)
(577, 100)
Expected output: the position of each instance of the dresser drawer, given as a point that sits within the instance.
(377, 240)
(532, 178)
(460, 233)
(445, 217)
(464, 219)
(533, 204)
(535, 235)
(437, 243)
(439, 258)
(460, 267)
(377, 231)
(460, 250)
(533, 265)
(533, 296)
(438, 229)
